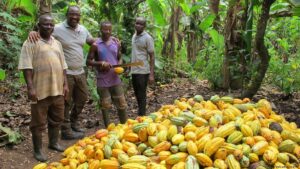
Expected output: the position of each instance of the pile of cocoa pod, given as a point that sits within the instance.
(222, 132)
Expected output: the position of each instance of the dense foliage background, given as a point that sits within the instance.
(225, 42)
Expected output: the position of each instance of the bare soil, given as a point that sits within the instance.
(13, 100)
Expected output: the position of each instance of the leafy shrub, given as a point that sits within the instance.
(284, 75)
(10, 43)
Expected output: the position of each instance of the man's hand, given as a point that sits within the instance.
(32, 94)
(66, 91)
(105, 66)
(151, 79)
(33, 36)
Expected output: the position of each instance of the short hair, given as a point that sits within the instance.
(105, 23)
(142, 19)
(42, 17)
(72, 6)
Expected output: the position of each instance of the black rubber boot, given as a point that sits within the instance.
(37, 147)
(122, 116)
(69, 134)
(105, 114)
(53, 134)
(76, 126)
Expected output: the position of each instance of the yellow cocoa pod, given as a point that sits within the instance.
(270, 157)
(175, 158)
(127, 145)
(189, 127)
(131, 137)
(220, 154)
(192, 148)
(109, 164)
(260, 147)
(118, 70)
(246, 130)
(139, 159)
(232, 162)
(297, 151)
(204, 160)
(218, 163)
(177, 138)
(132, 151)
(179, 165)
(123, 158)
(190, 136)
(213, 145)
(40, 166)
(253, 157)
(164, 155)
(116, 152)
(163, 146)
(162, 135)
(95, 164)
(172, 131)
(151, 129)
(143, 134)
(133, 166)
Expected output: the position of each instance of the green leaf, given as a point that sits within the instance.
(157, 11)
(2, 74)
(217, 38)
(9, 114)
(28, 6)
(279, 6)
(21, 78)
(185, 7)
(296, 11)
(13, 136)
(24, 18)
(195, 8)
(295, 2)
(207, 22)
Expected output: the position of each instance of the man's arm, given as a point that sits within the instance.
(152, 64)
(66, 88)
(90, 41)
(30, 88)
(92, 59)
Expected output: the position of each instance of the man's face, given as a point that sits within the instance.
(139, 25)
(46, 26)
(73, 17)
(106, 30)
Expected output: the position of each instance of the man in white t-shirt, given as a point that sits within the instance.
(142, 50)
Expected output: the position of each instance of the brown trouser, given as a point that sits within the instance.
(109, 94)
(51, 109)
(78, 95)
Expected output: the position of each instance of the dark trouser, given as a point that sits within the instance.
(50, 109)
(115, 94)
(139, 83)
(78, 95)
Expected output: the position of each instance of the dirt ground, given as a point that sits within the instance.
(13, 100)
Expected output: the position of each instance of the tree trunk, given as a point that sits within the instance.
(45, 6)
(229, 43)
(234, 63)
(193, 37)
(214, 8)
(260, 51)
(169, 44)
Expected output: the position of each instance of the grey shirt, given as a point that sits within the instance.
(72, 42)
(142, 45)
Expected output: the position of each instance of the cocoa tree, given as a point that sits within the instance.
(260, 53)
